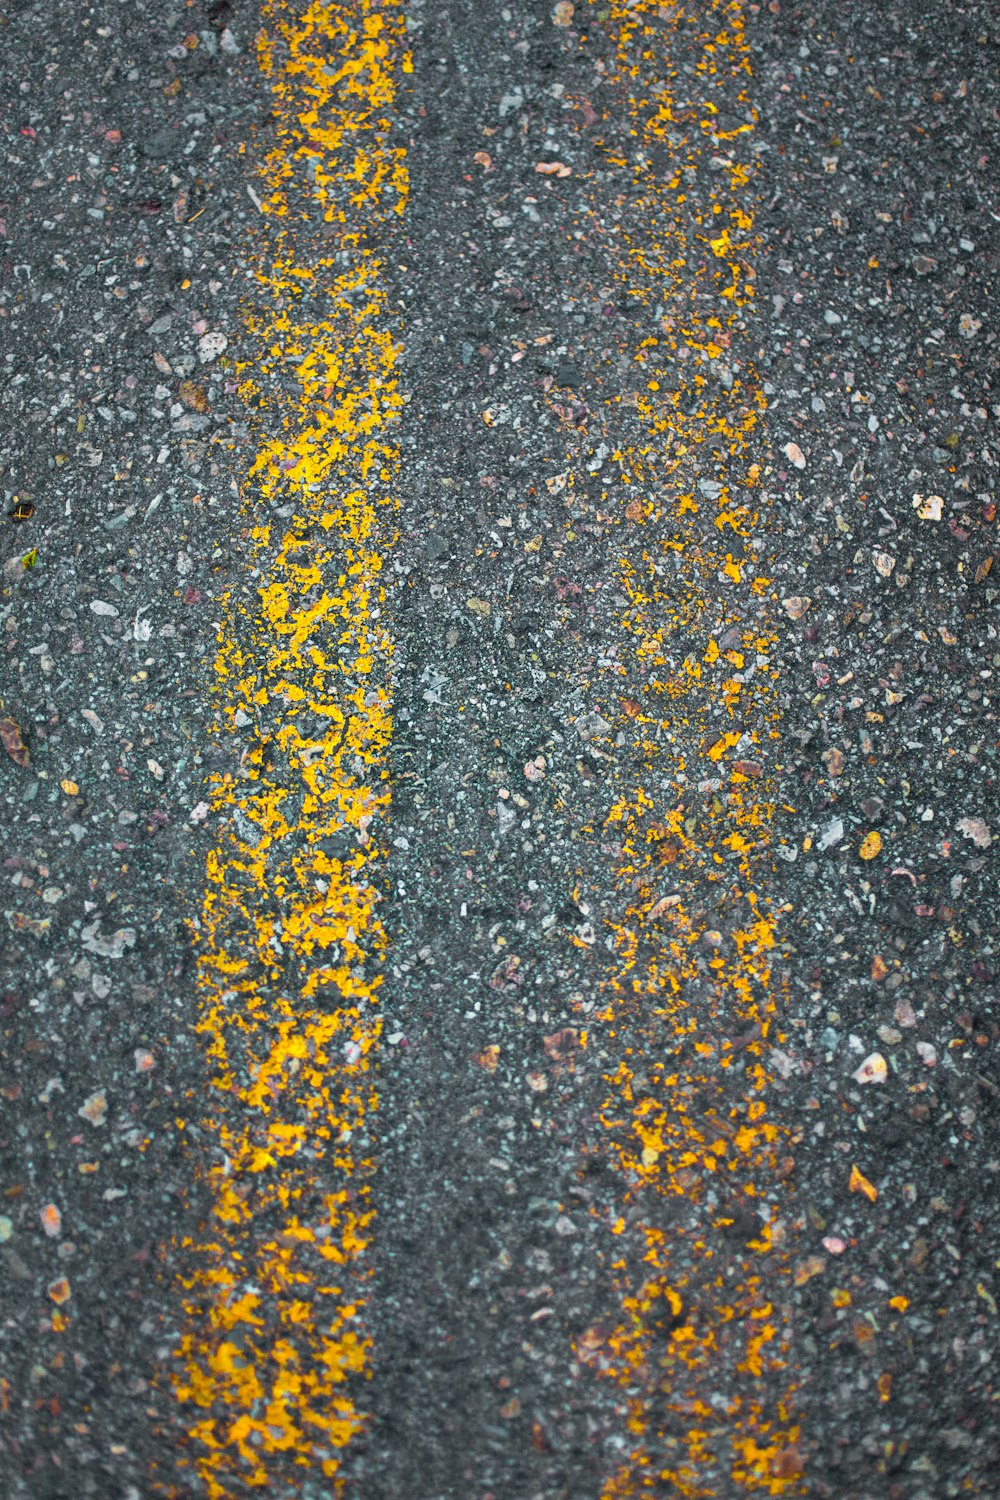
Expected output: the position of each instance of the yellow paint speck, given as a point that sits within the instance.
(871, 845)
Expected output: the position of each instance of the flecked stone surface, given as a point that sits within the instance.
(525, 880)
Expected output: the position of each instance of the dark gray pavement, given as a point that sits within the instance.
(515, 1212)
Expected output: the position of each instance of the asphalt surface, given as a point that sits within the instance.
(499, 948)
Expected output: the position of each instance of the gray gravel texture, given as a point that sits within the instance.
(880, 316)
(875, 333)
(121, 211)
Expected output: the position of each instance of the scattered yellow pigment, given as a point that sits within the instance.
(701, 1345)
(274, 1343)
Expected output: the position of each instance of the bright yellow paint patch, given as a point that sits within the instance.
(701, 1346)
(858, 1183)
(274, 1343)
(871, 845)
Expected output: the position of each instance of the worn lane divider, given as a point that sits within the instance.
(701, 1346)
(270, 1368)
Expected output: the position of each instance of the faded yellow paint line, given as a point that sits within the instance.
(270, 1369)
(701, 1344)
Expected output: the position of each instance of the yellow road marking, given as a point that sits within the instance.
(692, 995)
(290, 939)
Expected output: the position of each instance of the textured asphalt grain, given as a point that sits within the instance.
(539, 1291)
